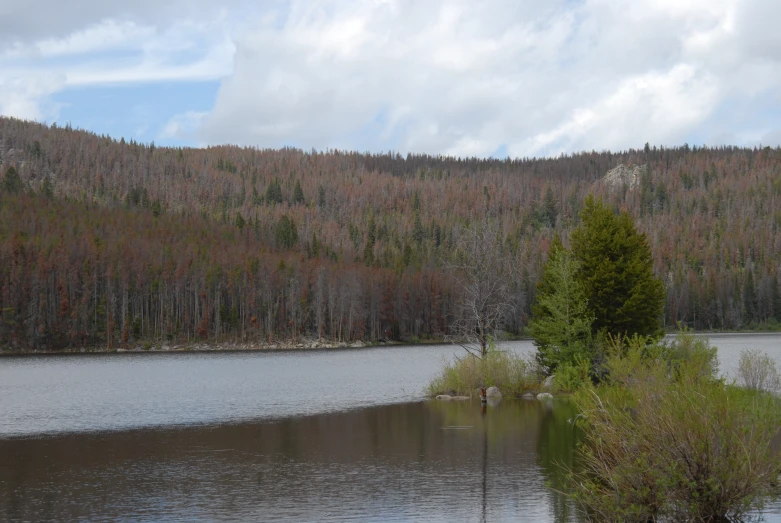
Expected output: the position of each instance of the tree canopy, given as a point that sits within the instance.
(616, 271)
(561, 325)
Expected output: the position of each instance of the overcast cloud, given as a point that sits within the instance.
(496, 77)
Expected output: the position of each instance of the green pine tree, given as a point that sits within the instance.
(776, 292)
(298, 194)
(286, 233)
(12, 183)
(274, 192)
(561, 327)
(321, 196)
(616, 269)
(47, 190)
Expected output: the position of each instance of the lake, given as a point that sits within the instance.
(303, 436)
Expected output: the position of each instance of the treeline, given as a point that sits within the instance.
(78, 274)
(375, 220)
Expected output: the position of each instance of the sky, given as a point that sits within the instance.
(485, 78)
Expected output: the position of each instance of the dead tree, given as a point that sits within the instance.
(483, 273)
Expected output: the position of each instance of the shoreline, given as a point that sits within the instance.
(288, 345)
(222, 346)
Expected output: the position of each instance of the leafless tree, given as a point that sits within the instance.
(483, 273)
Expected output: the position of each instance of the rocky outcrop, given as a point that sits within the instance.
(623, 175)
(544, 396)
(548, 383)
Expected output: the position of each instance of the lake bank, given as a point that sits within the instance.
(303, 344)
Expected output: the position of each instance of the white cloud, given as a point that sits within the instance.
(182, 126)
(465, 78)
(27, 97)
(455, 77)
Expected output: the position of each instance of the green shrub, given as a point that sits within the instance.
(570, 378)
(665, 440)
(511, 373)
(757, 371)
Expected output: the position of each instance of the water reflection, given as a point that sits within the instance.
(428, 460)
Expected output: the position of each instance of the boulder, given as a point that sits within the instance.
(493, 392)
(444, 397)
(528, 396)
(544, 396)
(548, 383)
(459, 398)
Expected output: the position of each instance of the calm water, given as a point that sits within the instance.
(312, 436)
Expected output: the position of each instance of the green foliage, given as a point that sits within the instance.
(227, 166)
(757, 371)
(298, 194)
(12, 183)
(511, 373)
(47, 190)
(571, 377)
(286, 232)
(616, 271)
(240, 223)
(691, 357)
(561, 325)
(666, 440)
(274, 192)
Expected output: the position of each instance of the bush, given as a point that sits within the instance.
(691, 357)
(511, 373)
(665, 440)
(757, 371)
(570, 378)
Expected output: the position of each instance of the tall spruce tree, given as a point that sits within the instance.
(616, 269)
(561, 325)
(12, 183)
(298, 194)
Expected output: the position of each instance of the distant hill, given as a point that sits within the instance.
(111, 240)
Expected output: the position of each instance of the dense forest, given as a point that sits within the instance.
(104, 241)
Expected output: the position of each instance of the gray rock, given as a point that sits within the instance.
(528, 396)
(459, 398)
(493, 392)
(544, 396)
(548, 383)
(444, 397)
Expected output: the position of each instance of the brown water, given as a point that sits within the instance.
(430, 461)
(296, 436)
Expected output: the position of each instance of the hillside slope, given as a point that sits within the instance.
(103, 240)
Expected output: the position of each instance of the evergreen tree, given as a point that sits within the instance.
(549, 208)
(274, 192)
(749, 299)
(561, 326)
(240, 223)
(371, 238)
(321, 196)
(298, 194)
(615, 261)
(286, 233)
(776, 292)
(12, 183)
(47, 191)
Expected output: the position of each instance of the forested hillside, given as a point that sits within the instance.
(106, 241)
